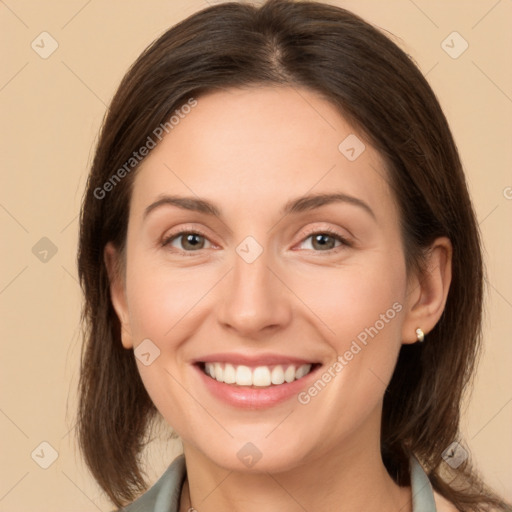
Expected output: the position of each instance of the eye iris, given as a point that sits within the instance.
(323, 240)
(191, 240)
(196, 241)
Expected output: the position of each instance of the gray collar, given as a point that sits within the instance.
(164, 495)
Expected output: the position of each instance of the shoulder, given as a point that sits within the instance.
(443, 505)
(165, 493)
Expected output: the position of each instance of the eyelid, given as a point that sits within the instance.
(305, 234)
(326, 230)
(184, 230)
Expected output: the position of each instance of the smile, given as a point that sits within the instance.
(260, 376)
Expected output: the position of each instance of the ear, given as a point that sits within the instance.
(427, 292)
(112, 259)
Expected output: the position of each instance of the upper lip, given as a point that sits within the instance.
(252, 360)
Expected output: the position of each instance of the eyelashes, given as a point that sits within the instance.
(330, 233)
(190, 238)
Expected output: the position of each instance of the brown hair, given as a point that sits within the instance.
(376, 86)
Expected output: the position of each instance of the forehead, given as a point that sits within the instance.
(258, 146)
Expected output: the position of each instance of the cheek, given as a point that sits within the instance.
(162, 307)
(359, 310)
(351, 301)
(360, 313)
(159, 297)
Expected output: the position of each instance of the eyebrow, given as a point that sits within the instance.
(297, 205)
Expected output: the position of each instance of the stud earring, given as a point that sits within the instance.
(420, 335)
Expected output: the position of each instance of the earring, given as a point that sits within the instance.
(420, 335)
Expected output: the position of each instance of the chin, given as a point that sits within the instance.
(255, 456)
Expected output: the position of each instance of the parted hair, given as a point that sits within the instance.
(377, 87)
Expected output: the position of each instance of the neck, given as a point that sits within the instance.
(352, 477)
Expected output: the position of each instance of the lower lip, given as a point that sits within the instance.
(253, 397)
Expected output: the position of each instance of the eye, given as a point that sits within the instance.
(324, 241)
(193, 241)
(187, 241)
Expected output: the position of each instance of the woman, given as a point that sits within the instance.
(280, 258)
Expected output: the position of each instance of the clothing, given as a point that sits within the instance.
(164, 496)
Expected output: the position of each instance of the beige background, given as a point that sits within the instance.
(51, 112)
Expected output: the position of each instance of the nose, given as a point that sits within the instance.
(255, 299)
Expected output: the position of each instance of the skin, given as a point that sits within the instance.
(250, 151)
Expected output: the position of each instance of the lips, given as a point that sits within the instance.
(253, 360)
(242, 395)
(255, 381)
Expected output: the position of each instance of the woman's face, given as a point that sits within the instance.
(273, 272)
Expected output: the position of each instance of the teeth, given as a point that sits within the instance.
(301, 371)
(277, 376)
(243, 375)
(261, 376)
(289, 374)
(229, 374)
